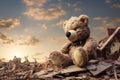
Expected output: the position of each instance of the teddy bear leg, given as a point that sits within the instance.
(79, 57)
(59, 59)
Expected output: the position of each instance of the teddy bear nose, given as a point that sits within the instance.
(68, 34)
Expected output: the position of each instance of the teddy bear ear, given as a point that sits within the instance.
(84, 18)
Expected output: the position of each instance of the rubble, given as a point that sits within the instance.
(100, 69)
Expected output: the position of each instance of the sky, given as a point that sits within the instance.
(34, 28)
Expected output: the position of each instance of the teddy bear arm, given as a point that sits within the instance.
(90, 47)
(65, 48)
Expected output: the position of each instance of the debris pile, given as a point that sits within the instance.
(15, 69)
(94, 70)
(106, 67)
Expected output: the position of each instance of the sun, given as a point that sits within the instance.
(17, 51)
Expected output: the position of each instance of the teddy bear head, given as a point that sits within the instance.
(76, 28)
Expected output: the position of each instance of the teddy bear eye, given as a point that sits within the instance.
(75, 29)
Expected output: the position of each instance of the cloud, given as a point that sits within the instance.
(31, 40)
(28, 2)
(21, 40)
(74, 6)
(37, 54)
(5, 40)
(113, 5)
(36, 11)
(39, 3)
(77, 9)
(56, 40)
(117, 5)
(26, 30)
(59, 0)
(60, 23)
(106, 22)
(113, 23)
(100, 28)
(60, 39)
(68, 4)
(2, 36)
(101, 18)
(9, 23)
(71, 5)
(107, 1)
(42, 14)
(44, 26)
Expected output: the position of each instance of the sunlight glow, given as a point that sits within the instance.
(16, 51)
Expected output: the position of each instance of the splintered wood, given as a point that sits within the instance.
(109, 47)
(94, 70)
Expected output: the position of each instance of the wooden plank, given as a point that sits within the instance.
(72, 68)
(117, 63)
(42, 72)
(92, 67)
(50, 75)
(109, 39)
(100, 67)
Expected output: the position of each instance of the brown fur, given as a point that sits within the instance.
(81, 47)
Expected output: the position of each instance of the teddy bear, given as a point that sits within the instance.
(80, 46)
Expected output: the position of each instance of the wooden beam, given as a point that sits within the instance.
(109, 39)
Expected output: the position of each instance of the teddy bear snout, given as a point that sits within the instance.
(71, 35)
(68, 34)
